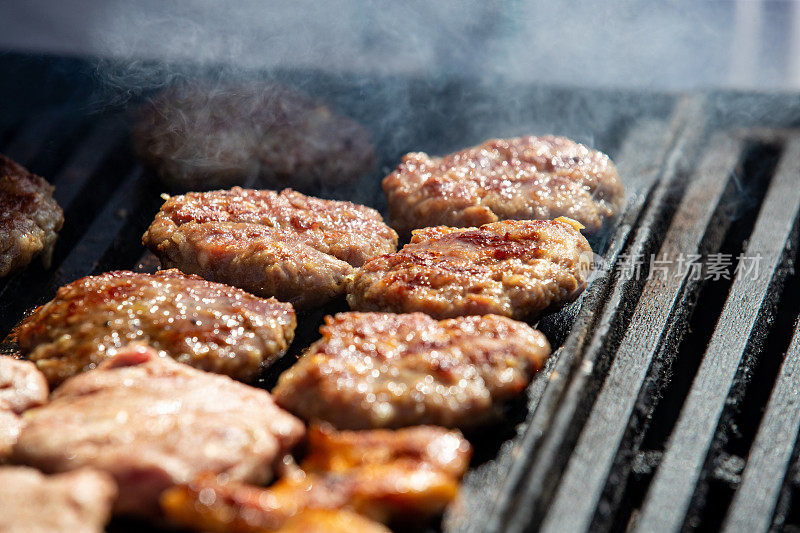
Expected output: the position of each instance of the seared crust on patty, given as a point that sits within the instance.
(75, 502)
(206, 137)
(295, 247)
(206, 325)
(517, 269)
(504, 179)
(29, 217)
(373, 370)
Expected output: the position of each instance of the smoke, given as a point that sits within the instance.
(622, 43)
(433, 76)
(496, 44)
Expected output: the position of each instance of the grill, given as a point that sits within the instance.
(670, 402)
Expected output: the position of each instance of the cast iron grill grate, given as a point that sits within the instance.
(671, 401)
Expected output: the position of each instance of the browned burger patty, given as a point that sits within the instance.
(29, 217)
(404, 476)
(504, 179)
(75, 502)
(22, 386)
(373, 370)
(517, 269)
(152, 422)
(207, 325)
(202, 137)
(295, 247)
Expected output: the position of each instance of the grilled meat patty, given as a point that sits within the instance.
(295, 247)
(204, 137)
(22, 386)
(373, 370)
(504, 179)
(517, 269)
(75, 502)
(30, 218)
(152, 423)
(207, 325)
(407, 476)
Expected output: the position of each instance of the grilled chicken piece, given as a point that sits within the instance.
(22, 386)
(207, 325)
(75, 502)
(297, 248)
(30, 218)
(153, 423)
(504, 179)
(205, 137)
(374, 370)
(408, 475)
(517, 269)
(330, 521)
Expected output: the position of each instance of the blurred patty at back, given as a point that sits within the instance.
(255, 134)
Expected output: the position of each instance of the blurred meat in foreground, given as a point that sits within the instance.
(331, 521)
(153, 423)
(537, 178)
(75, 502)
(204, 137)
(22, 387)
(402, 476)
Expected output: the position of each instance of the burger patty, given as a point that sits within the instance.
(30, 218)
(22, 386)
(204, 137)
(517, 269)
(295, 247)
(374, 370)
(75, 502)
(152, 423)
(504, 179)
(405, 476)
(206, 325)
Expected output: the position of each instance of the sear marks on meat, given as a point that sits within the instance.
(75, 502)
(504, 179)
(408, 475)
(30, 218)
(517, 269)
(207, 325)
(202, 137)
(374, 370)
(22, 386)
(153, 423)
(294, 247)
